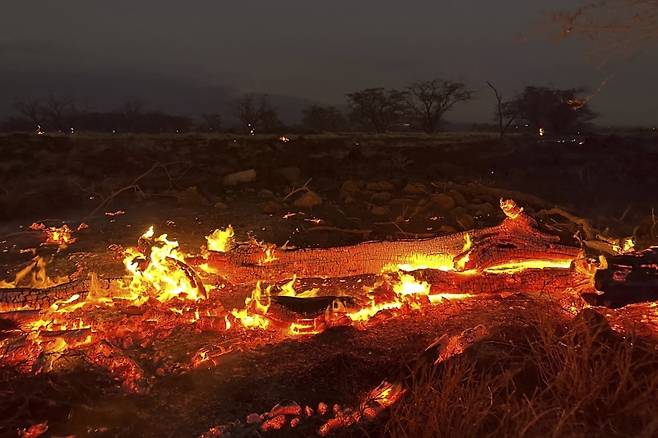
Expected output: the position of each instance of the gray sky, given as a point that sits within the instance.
(188, 55)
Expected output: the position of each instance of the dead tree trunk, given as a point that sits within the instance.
(516, 240)
(629, 278)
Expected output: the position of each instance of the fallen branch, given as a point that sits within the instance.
(303, 188)
(516, 240)
(132, 186)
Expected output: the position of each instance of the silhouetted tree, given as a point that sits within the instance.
(505, 113)
(319, 118)
(256, 115)
(377, 109)
(32, 110)
(131, 112)
(59, 112)
(552, 109)
(430, 100)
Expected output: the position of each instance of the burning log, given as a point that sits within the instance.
(38, 298)
(535, 281)
(628, 278)
(518, 240)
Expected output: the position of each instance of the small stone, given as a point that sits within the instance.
(242, 177)
(400, 202)
(380, 186)
(443, 202)
(291, 174)
(458, 197)
(487, 208)
(465, 221)
(350, 186)
(381, 197)
(309, 199)
(190, 197)
(271, 207)
(415, 188)
(265, 194)
(274, 423)
(219, 205)
(286, 408)
(378, 210)
(253, 418)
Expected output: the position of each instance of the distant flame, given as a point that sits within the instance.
(221, 240)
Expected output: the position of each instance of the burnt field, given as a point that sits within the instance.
(466, 305)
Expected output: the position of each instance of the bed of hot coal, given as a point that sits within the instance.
(197, 355)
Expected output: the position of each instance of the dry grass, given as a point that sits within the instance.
(547, 379)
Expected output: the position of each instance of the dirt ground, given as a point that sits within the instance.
(306, 191)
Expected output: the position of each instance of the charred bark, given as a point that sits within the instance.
(547, 282)
(38, 298)
(628, 278)
(517, 239)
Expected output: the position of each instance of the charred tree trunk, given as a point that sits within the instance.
(516, 240)
(629, 278)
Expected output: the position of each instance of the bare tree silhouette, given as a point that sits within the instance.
(430, 100)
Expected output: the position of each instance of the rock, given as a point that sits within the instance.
(242, 177)
(400, 202)
(350, 186)
(443, 202)
(219, 205)
(458, 197)
(309, 199)
(465, 221)
(378, 210)
(380, 186)
(415, 188)
(291, 174)
(380, 197)
(254, 418)
(190, 197)
(482, 209)
(265, 194)
(288, 407)
(271, 207)
(348, 200)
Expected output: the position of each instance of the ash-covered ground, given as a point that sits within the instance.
(304, 192)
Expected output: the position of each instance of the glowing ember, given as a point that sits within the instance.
(510, 208)
(60, 236)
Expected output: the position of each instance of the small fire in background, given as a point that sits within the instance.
(221, 240)
(60, 236)
(33, 275)
(541, 132)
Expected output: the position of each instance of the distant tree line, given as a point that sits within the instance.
(421, 106)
